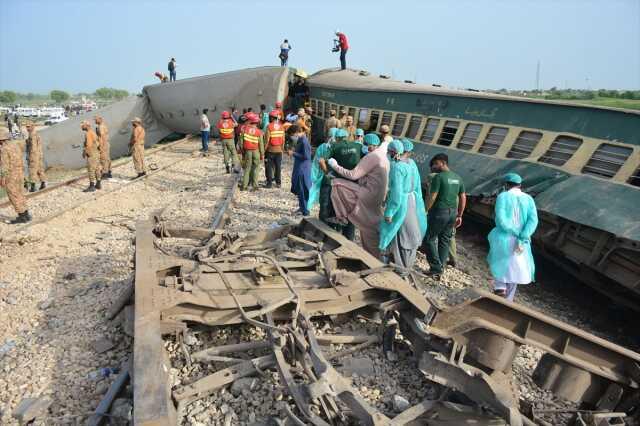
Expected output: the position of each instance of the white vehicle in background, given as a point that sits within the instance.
(57, 117)
(28, 112)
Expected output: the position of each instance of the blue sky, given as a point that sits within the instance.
(82, 45)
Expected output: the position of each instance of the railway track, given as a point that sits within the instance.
(109, 187)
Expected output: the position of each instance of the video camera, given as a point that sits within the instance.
(336, 45)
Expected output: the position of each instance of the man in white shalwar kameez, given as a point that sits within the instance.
(510, 258)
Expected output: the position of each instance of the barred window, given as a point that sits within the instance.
(635, 178)
(469, 136)
(314, 106)
(430, 130)
(386, 118)
(524, 144)
(352, 112)
(414, 125)
(320, 112)
(373, 120)
(561, 150)
(362, 117)
(398, 126)
(607, 160)
(494, 139)
(448, 133)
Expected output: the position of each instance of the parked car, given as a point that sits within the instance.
(55, 118)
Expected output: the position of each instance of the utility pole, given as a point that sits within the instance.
(538, 77)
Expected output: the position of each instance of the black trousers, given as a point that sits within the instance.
(273, 167)
(343, 59)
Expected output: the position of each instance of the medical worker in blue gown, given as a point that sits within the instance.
(317, 174)
(405, 221)
(510, 258)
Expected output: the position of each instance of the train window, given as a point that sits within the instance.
(469, 136)
(414, 125)
(524, 144)
(362, 117)
(320, 112)
(561, 150)
(334, 107)
(327, 109)
(448, 133)
(373, 121)
(635, 178)
(398, 126)
(352, 112)
(430, 130)
(314, 106)
(494, 139)
(607, 160)
(386, 118)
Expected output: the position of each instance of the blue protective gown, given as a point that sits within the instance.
(509, 232)
(317, 174)
(396, 208)
(417, 191)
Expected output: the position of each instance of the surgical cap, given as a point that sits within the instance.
(359, 132)
(407, 145)
(332, 132)
(396, 146)
(371, 139)
(513, 178)
(292, 118)
(341, 133)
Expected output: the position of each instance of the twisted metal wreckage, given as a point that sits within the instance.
(281, 278)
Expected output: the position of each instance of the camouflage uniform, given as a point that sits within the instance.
(105, 148)
(136, 148)
(92, 155)
(35, 157)
(12, 175)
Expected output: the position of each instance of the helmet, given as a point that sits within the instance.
(225, 114)
(253, 119)
(278, 104)
(274, 114)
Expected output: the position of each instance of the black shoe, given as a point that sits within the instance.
(226, 166)
(109, 176)
(268, 186)
(434, 275)
(278, 185)
(91, 188)
(43, 185)
(22, 218)
(99, 185)
(141, 174)
(451, 262)
(33, 188)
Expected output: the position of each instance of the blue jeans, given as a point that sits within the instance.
(172, 75)
(343, 59)
(205, 140)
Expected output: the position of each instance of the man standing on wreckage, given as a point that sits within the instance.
(510, 258)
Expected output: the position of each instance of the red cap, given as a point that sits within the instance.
(274, 114)
(225, 114)
(278, 104)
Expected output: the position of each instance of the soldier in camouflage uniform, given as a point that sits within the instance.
(12, 176)
(105, 148)
(136, 147)
(92, 155)
(35, 158)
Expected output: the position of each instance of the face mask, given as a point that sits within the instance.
(295, 138)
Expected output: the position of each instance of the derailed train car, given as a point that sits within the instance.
(580, 163)
(166, 108)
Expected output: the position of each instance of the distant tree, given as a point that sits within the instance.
(627, 94)
(120, 94)
(8, 97)
(104, 93)
(59, 96)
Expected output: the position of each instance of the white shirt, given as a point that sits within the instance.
(285, 46)
(204, 123)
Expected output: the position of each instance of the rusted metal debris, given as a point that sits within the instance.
(280, 279)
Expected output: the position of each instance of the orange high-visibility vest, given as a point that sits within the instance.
(276, 134)
(251, 138)
(225, 126)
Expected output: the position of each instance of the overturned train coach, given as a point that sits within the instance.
(580, 163)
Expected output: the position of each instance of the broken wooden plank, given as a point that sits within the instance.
(327, 339)
(226, 349)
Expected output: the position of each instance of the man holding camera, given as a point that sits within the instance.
(341, 44)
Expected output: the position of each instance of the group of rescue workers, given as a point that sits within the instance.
(364, 181)
(96, 151)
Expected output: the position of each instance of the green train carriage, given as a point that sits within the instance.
(581, 163)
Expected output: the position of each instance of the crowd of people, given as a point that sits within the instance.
(367, 182)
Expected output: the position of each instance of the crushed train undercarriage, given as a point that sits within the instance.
(280, 279)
